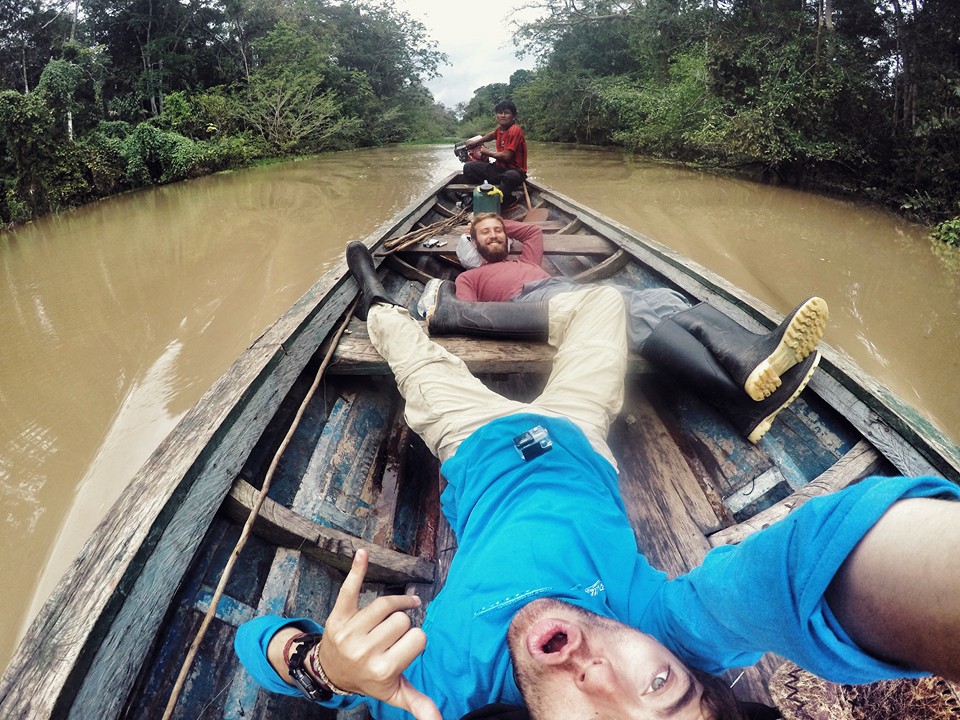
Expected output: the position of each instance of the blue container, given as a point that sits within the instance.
(486, 198)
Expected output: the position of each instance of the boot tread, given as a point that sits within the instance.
(800, 337)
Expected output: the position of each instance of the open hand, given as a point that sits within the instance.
(366, 651)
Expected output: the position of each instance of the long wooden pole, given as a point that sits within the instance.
(248, 526)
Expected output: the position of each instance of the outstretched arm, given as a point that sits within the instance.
(486, 138)
(366, 651)
(898, 593)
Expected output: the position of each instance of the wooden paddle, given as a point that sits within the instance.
(539, 214)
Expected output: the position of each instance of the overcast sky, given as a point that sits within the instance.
(476, 38)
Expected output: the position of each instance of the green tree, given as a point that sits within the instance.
(677, 119)
(27, 128)
(287, 101)
(31, 32)
(383, 57)
(157, 46)
(478, 112)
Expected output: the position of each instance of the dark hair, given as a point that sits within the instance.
(717, 699)
(720, 702)
(505, 105)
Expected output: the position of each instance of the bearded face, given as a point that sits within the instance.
(491, 240)
(571, 663)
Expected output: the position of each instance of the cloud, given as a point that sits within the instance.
(477, 40)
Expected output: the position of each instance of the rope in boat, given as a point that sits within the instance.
(248, 526)
(399, 243)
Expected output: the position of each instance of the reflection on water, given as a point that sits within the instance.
(118, 316)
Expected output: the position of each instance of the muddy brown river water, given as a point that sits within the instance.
(116, 317)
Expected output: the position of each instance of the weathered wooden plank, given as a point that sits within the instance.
(442, 209)
(445, 547)
(863, 460)
(575, 225)
(553, 244)
(356, 356)
(384, 509)
(295, 587)
(758, 487)
(407, 270)
(285, 527)
(337, 487)
(715, 451)
(800, 453)
(537, 214)
(605, 269)
(667, 506)
(865, 415)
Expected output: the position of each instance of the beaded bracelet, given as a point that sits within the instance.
(318, 671)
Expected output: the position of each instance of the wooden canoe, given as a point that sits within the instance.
(111, 640)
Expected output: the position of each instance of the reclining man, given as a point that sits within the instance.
(749, 377)
(548, 603)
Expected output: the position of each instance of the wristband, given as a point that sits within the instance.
(317, 692)
(318, 671)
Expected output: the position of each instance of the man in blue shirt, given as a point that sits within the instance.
(548, 604)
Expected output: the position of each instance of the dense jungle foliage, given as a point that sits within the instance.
(855, 96)
(105, 95)
(859, 96)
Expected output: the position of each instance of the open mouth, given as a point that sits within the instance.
(552, 641)
(555, 643)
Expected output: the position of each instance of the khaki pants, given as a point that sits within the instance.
(445, 403)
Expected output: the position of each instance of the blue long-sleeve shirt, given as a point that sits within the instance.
(556, 527)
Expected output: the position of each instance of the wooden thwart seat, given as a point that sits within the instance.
(553, 244)
(355, 355)
(287, 528)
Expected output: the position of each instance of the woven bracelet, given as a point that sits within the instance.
(318, 671)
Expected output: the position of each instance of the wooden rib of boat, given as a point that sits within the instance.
(110, 641)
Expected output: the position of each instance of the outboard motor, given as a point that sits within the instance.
(466, 155)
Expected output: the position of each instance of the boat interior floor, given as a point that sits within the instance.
(354, 468)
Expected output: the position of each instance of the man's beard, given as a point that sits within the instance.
(492, 255)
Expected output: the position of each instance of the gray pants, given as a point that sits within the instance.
(646, 309)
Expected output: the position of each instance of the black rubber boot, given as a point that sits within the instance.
(677, 352)
(361, 267)
(446, 315)
(757, 362)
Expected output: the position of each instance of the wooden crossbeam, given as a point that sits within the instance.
(356, 356)
(861, 461)
(282, 526)
(553, 244)
(605, 269)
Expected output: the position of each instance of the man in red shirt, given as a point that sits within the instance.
(510, 169)
(750, 377)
